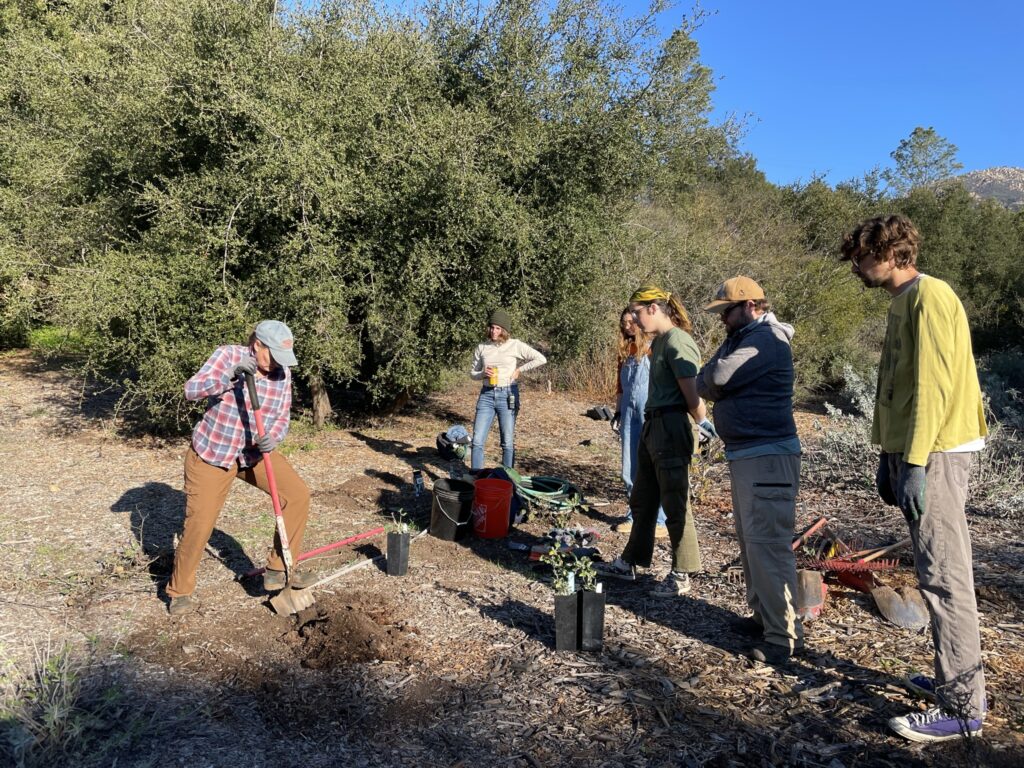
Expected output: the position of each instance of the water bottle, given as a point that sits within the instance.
(417, 482)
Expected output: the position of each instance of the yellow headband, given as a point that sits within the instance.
(645, 294)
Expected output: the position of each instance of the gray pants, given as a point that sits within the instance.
(764, 507)
(945, 570)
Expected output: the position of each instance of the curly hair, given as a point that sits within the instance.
(893, 237)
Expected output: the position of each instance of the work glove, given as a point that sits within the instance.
(266, 443)
(910, 491)
(616, 422)
(248, 365)
(706, 431)
(883, 481)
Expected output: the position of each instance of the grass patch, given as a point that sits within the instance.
(56, 340)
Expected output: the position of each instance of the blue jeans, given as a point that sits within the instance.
(493, 401)
(634, 379)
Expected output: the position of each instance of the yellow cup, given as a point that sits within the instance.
(493, 381)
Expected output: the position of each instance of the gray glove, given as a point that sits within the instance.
(706, 431)
(617, 422)
(248, 365)
(910, 491)
(266, 443)
(883, 481)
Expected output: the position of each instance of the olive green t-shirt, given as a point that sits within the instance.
(674, 355)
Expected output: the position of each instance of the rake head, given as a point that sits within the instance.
(853, 566)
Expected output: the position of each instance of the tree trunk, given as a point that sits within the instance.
(321, 401)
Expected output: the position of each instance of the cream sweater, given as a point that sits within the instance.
(508, 357)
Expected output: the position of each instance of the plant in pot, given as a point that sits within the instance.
(579, 601)
(398, 544)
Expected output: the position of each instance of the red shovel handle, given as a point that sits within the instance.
(254, 400)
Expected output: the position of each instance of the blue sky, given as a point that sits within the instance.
(832, 87)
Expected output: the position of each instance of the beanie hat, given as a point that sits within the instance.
(501, 318)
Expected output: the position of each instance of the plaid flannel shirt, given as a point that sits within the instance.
(226, 432)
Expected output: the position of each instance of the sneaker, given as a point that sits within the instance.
(934, 724)
(921, 685)
(617, 569)
(770, 653)
(747, 626)
(661, 532)
(675, 584)
(624, 527)
(182, 605)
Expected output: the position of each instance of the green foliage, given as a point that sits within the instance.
(571, 572)
(172, 172)
(922, 159)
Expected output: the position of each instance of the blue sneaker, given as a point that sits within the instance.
(934, 724)
(921, 685)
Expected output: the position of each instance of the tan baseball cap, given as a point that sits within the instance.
(733, 291)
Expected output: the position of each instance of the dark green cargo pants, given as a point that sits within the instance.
(662, 479)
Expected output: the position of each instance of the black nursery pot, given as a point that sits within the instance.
(398, 554)
(567, 622)
(579, 621)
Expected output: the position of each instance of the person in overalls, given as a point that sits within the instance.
(498, 362)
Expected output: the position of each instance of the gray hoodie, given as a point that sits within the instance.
(750, 380)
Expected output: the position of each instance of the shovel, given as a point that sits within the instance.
(904, 608)
(287, 597)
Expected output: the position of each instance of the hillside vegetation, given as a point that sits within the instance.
(171, 172)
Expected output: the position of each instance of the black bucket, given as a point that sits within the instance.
(451, 510)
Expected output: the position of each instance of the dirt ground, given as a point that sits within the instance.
(453, 664)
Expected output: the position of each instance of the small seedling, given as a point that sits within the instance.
(570, 570)
(399, 522)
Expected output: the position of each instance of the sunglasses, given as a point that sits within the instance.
(859, 257)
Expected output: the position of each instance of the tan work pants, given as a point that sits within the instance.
(764, 492)
(206, 488)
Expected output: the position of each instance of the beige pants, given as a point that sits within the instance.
(206, 488)
(764, 493)
(945, 571)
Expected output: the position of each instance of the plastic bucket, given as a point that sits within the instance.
(491, 508)
(451, 510)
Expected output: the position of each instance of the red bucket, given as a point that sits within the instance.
(492, 499)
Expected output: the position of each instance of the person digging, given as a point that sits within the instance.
(225, 447)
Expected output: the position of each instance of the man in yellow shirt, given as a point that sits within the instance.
(928, 421)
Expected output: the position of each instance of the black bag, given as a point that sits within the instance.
(449, 450)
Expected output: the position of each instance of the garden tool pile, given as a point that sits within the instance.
(821, 553)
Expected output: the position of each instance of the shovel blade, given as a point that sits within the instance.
(289, 601)
(907, 610)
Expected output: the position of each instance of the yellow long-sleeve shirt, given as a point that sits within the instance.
(928, 398)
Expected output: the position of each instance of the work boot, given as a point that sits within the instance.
(747, 626)
(275, 580)
(182, 605)
(770, 653)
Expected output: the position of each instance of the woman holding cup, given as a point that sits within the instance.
(498, 362)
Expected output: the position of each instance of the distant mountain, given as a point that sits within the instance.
(1004, 185)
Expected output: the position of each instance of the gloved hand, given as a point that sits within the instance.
(883, 481)
(266, 443)
(910, 491)
(248, 365)
(616, 422)
(706, 430)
